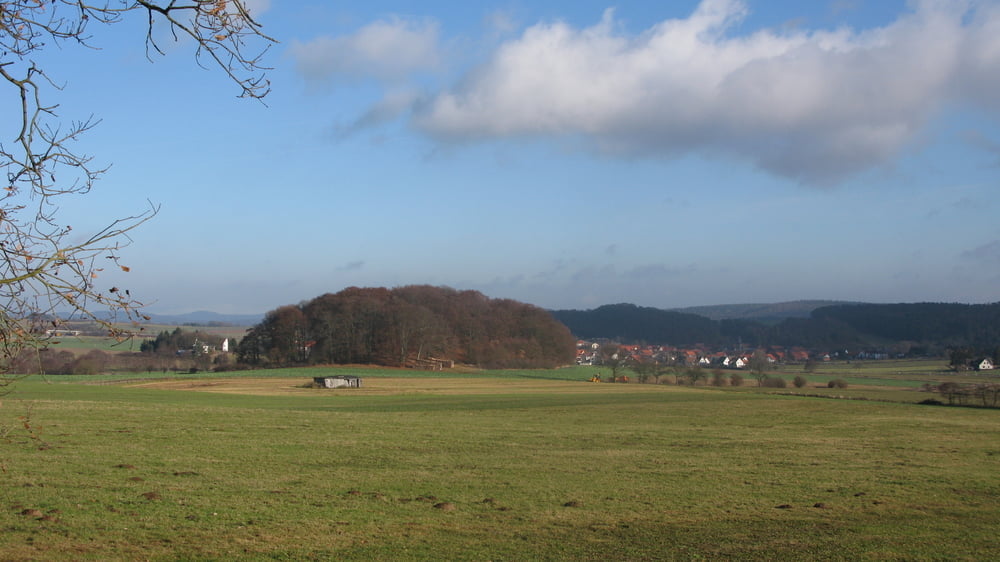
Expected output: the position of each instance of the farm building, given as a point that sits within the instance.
(339, 381)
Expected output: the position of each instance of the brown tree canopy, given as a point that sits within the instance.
(407, 325)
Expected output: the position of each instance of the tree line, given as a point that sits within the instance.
(180, 340)
(408, 326)
(915, 329)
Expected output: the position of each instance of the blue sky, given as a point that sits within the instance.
(568, 155)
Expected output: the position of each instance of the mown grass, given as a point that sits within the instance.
(534, 471)
(568, 373)
(87, 343)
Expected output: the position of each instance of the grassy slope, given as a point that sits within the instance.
(648, 472)
(76, 343)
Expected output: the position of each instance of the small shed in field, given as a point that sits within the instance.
(339, 381)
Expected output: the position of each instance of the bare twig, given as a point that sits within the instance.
(45, 272)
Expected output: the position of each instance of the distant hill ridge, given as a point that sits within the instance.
(205, 317)
(762, 312)
(924, 328)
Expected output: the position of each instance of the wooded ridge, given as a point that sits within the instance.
(908, 328)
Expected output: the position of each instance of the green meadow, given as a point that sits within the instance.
(487, 466)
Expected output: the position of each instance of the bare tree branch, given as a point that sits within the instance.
(46, 270)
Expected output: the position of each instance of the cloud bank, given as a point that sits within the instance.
(388, 50)
(814, 106)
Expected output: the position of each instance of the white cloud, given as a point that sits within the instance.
(814, 106)
(389, 50)
(978, 78)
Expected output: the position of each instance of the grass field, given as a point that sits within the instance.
(487, 466)
(87, 343)
(149, 331)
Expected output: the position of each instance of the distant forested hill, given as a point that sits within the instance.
(932, 327)
(631, 323)
(766, 313)
(946, 324)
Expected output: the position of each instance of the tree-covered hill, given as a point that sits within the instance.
(409, 326)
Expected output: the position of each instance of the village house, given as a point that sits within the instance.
(703, 356)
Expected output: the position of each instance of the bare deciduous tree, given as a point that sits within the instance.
(613, 357)
(759, 366)
(45, 268)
